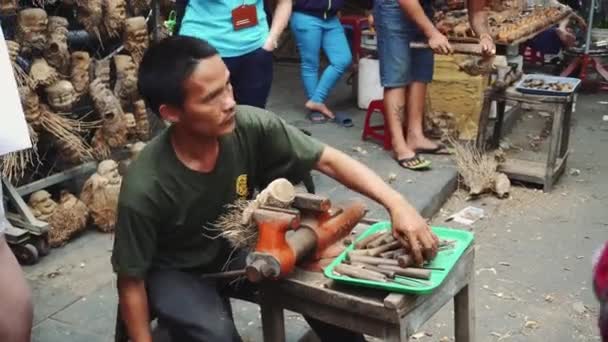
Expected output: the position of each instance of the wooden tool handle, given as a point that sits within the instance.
(409, 272)
(359, 273)
(371, 260)
(383, 248)
(467, 49)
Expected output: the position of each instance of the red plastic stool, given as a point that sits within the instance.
(380, 132)
(358, 23)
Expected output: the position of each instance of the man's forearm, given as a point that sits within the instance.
(416, 13)
(361, 179)
(134, 308)
(280, 19)
(478, 17)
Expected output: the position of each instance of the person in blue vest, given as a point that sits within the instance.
(315, 26)
(405, 72)
(239, 30)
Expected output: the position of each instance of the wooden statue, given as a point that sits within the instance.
(100, 194)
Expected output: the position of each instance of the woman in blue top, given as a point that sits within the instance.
(238, 29)
(315, 25)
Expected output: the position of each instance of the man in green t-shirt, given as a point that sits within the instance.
(214, 153)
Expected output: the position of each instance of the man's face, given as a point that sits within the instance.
(209, 106)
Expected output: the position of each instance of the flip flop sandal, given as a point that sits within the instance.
(343, 119)
(441, 149)
(414, 163)
(317, 118)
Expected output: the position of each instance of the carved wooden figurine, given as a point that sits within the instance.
(61, 96)
(79, 74)
(31, 30)
(135, 38)
(100, 194)
(69, 219)
(42, 205)
(115, 16)
(56, 52)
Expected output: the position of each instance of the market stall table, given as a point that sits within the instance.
(392, 317)
(560, 107)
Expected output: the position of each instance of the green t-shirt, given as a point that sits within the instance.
(164, 207)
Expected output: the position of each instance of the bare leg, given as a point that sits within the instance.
(416, 96)
(16, 312)
(394, 104)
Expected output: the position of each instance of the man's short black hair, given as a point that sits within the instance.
(165, 68)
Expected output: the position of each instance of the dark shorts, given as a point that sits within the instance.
(400, 65)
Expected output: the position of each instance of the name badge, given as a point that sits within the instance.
(244, 16)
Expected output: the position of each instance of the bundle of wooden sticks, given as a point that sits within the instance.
(380, 257)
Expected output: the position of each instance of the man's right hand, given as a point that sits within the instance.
(439, 43)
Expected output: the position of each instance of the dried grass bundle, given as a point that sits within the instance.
(66, 131)
(13, 165)
(230, 227)
(22, 78)
(477, 169)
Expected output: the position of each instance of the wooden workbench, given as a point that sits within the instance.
(392, 317)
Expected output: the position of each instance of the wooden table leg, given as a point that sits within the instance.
(273, 321)
(553, 146)
(395, 334)
(464, 315)
(500, 118)
(566, 128)
(484, 117)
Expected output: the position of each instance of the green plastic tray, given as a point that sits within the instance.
(445, 259)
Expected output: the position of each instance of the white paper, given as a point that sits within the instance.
(14, 134)
(467, 216)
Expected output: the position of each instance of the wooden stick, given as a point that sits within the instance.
(388, 273)
(383, 248)
(384, 238)
(361, 244)
(418, 282)
(359, 273)
(464, 48)
(371, 260)
(409, 271)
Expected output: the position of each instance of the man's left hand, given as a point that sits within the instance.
(488, 48)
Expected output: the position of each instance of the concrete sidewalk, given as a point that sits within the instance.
(74, 287)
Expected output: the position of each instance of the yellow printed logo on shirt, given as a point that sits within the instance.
(241, 186)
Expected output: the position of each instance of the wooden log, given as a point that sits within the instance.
(383, 248)
(372, 260)
(384, 238)
(405, 260)
(408, 272)
(361, 244)
(359, 273)
(379, 238)
(394, 254)
(304, 200)
(388, 273)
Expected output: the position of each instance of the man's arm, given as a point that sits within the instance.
(134, 309)
(407, 223)
(279, 22)
(478, 17)
(437, 41)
